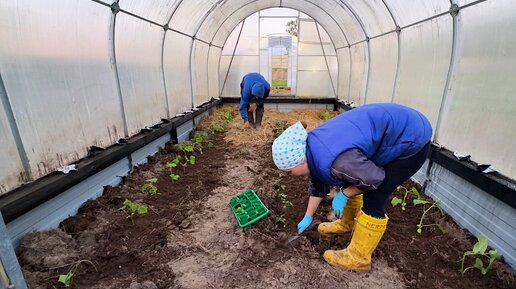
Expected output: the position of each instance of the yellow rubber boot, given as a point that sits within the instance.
(357, 256)
(346, 223)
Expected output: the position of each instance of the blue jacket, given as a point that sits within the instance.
(382, 132)
(254, 87)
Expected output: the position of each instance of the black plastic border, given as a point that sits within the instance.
(23, 199)
(494, 184)
(29, 196)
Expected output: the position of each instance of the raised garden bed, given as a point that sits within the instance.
(189, 237)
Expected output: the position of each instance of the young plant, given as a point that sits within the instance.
(66, 279)
(283, 196)
(479, 250)
(132, 209)
(174, 177)
(227, 115)
(435, 204)
(192, 160)
(281, 220)
(210, 145)
(396, 201)
(217, 128)
(149, 187)
(326, 115)
(279, 127)
(173, 163)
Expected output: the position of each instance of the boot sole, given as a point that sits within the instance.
(343, 267)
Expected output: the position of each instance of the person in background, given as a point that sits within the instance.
(254, 89)
(368, 152)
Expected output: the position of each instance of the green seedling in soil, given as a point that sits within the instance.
(192, 160)
(479, 250)
(218, 128)
(396, 201)
(435, 204)
(210, 145)
(279, 127)
(66, 279)
(132, 209)
(227, 115)
(174, 177)
(149, 187)
(173, 163)
(283, 196)
(326, 115)
(281, 220)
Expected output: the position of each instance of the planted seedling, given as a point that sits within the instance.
(227, 115)
(132, 209)
(174, 162)
(479, 250)
(66, 279)
(281, 220)
(217, 128)
(192, 160)
(279, 127)
(396, 201)
(149, 187)
(174, 177)
(435, 204)
(326, 115)
(210, 145)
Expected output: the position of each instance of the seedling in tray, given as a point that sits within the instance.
(248, 208)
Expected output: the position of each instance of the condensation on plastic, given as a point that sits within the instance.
(156, 10)
(421, 80)
(62, 92)
(410, 11)
(374, 16)
(358, 73)
(384, 57)
(176, 64)
(344, 74)
(138, 56)
(213, 72)
(200, 72)
(241, 66)
(479, 115)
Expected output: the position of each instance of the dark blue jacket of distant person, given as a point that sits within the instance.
(254, 89)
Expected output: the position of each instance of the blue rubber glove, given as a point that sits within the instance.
(301, 227)
(338, 204)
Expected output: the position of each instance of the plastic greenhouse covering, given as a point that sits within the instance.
(76, 75)
(127, 65)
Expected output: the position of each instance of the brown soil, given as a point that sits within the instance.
(190, 239)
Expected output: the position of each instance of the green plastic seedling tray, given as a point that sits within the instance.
(248, 208)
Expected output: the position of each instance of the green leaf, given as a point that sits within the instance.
(174, 177)
(189, 148)
(419, 202)
(192, 160)
(395, 201)
(210, 145)
(152, 181)
(204, 134)
(416, 193)
(478, 264)
(66, 280)
(170, 165)
(419, 230)
(493, 253)
(481, 246)
(142, 210)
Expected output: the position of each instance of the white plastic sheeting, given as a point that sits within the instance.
(62, 75)
(479, 115)
(55, 64)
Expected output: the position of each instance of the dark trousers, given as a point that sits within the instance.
(255, 122)
(396, 172)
